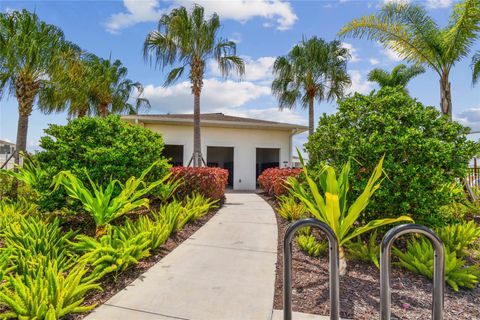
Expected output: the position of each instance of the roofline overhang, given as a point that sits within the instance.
(218, 123)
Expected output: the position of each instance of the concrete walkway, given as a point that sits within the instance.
(225, 271)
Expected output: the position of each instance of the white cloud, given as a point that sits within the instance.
(392, 55)
(435, 4)
(255, 70)
(353, 51)
(469, 118)
(215, 95)
(358, 83)
(278, 11)
(137, 11)
(396, 1)
(374, 61)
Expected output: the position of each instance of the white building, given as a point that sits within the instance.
(243, 146)
(6, 150)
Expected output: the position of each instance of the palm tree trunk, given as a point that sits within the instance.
(311, 116)
(25, 92)
(103, 109)
(197, 146)
(445, 96)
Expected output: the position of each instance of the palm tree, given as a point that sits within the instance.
(411, 33)
(399, 76)
(28, 51)
(476, 67)
(188, 40)
(313, 70)
(109, 89)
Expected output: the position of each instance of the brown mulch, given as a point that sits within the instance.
(112, 284)
(360, 289)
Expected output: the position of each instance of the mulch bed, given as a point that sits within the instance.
(360, 289)
(112, 285)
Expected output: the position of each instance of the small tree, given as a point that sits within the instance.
(108, 148)
(424, 152)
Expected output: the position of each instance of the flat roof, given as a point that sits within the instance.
(6, 142)
(215, 120)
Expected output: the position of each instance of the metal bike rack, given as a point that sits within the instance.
(287, 267)
(385, 268)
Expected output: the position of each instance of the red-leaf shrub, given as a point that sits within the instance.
(272, 180)
(210, 182)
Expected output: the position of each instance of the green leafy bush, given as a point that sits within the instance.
(458, 237)
(290, 209)
(310, 245)
(209, 182)
(104, 204)
(48, 293)
(327, 201)
(365, 251)
(418, 258)
(109, 148)
(114, 252)
(423, 152)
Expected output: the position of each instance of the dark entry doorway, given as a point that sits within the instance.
(221, 157)
(267, 158)
(174, 153)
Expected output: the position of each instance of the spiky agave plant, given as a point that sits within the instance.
(327, 201)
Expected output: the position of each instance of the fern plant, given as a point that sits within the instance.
(195, 206)
(310, 245)
(48, 293)
(169, 215)
(158, 232)
(31, 239)
(418, 258)
(367, 252)
(290, 209)
(103, 203)
(458, 237)
(114, 251)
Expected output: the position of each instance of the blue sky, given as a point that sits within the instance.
(263, 30)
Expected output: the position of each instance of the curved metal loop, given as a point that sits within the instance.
(287, 266)
(385, 268)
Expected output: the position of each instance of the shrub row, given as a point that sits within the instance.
(209, 182)
(272, 180)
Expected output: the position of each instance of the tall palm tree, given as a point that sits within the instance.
(409, 31)
(28, 52)
(187, 40)
(399, 76)
(313, 70)
(476, 67)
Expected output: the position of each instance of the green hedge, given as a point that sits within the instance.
(106, 147)
(424, 152)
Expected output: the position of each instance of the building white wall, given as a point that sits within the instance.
(244, 142)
